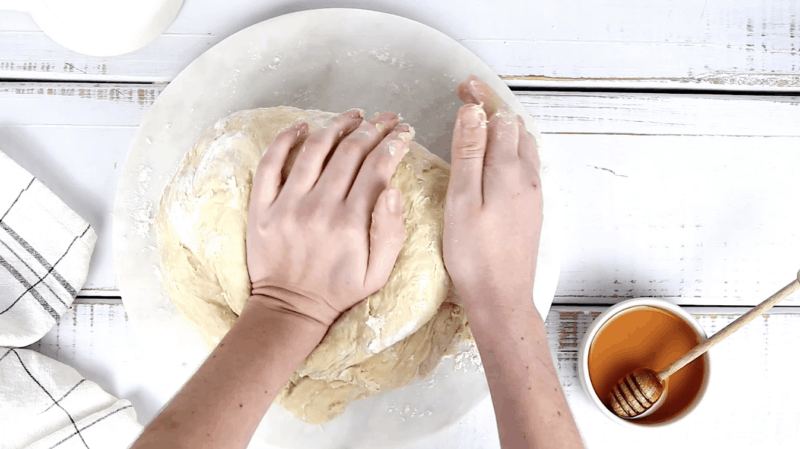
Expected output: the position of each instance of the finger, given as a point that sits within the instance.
(502, 147)
(338, 176)
(528, 151)
(501, 167)
(386, 235)
(464, 94)
(485, 95)
(468, 151)
(308, 165)
(377, 170)
(267, 179)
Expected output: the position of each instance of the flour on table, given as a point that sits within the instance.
(395, 336)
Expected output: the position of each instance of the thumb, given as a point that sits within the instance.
(385, 238)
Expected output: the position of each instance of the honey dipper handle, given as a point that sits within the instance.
(729, 329)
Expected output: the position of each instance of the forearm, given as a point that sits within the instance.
(223, 403)
(529, 403)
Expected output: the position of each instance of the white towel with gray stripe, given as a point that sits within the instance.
(45, 248)
(45, 404)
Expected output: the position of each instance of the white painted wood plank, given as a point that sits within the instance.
(97, 340)
(663, 114)
(103, 105)
(738, 44)
(82, 166)
(636, 171)
(107, 105)
(74, 138)
(703, 219)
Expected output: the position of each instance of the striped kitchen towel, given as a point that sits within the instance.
(45, 404)
(45, 249)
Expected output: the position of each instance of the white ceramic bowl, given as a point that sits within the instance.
(603, 318)
(100, 28)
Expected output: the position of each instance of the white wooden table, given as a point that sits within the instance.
(675, 129)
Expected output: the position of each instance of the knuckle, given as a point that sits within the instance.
(263, 223)
(468, 150)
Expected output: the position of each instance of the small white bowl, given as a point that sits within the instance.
(591, 332)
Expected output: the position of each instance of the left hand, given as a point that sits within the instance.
(493, 214)
(329, 236)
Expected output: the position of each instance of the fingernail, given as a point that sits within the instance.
(473, 117)
(385, 117)
(384, 121)
(354, 113)
(301, 127)
(405, 128)
(393, 201)
(406, 136)
(401, 143)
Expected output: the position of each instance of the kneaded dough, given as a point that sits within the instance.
(398, 333)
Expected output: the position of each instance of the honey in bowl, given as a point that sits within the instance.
(647, 337)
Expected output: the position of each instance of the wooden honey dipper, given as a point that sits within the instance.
(641, 392)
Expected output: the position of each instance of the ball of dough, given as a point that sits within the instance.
(383, 343)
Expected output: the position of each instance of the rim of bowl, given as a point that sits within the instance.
(591, 332)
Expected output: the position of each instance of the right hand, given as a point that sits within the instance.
(328, 236)
(493, 213)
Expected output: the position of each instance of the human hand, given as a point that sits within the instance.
(493, 213)
(329, 236)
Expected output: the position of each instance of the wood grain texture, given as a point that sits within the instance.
(726, 45)
(676, 196)
(664, 114)
(701, 219)
(97, 340)
(74, 138)
(735, 326)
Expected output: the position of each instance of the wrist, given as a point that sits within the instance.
(279, 314)
(493, 305)
(287, 302)
(494, 294)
